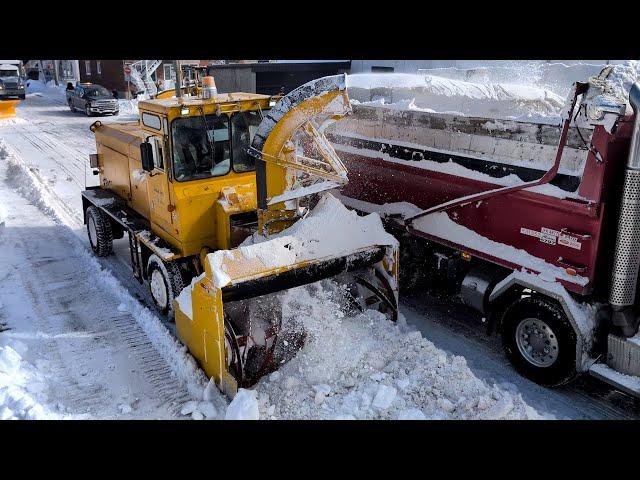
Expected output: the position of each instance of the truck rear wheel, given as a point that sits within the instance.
(539, 341)
(165, 284)
(99, 232)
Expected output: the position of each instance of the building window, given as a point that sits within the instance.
(98, 68)
(87, 67)
(169, 72)
(382, 69)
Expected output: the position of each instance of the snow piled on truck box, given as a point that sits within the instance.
(438, 94)
(521, 91)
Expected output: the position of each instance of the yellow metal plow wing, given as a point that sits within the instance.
(8, 108)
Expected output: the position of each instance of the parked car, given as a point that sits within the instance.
(11, 82)
(91, 98)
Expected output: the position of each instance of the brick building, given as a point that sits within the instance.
(111, 74)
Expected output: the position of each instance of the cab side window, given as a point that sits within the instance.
(244, 126)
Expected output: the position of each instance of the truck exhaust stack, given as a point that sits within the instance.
(627, 252)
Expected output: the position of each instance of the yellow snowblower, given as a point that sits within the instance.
(224, 194)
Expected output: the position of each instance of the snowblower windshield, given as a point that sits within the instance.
(202, 146)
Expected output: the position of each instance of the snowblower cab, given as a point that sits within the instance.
(228, 317)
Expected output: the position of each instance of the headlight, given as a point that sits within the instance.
(20, 86)
(1, 87)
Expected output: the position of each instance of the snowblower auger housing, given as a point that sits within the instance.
(277, 257)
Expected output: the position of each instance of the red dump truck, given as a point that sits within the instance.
(535, 225)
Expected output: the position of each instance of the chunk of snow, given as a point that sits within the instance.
(411, 414)
(184, 298)
(434, 93)
(189, 407)
(196, 415)
(244, 406)
(344, 416)
(9, 360)
(384, 397)
(207, 409)
(210, 391)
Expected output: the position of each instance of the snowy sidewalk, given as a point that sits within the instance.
(66, 350)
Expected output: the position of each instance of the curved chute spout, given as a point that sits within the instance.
(292, 128)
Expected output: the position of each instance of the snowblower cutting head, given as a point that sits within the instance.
(230, 317)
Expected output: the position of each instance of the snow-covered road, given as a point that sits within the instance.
(106, 355)
(98, 360)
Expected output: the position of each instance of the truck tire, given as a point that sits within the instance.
(22, 96)
(539, 341)
(99, 232)
(165, 284)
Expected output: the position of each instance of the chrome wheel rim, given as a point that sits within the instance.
(93, 233)
(537, 342)
(158, 289)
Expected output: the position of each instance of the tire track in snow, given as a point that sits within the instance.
(97, 357)
(167, 368)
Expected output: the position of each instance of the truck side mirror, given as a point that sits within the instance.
(146, 155)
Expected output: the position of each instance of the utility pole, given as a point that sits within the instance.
(176, 67)
(56, 72)
(41, 72)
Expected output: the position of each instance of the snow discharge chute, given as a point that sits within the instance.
(227, 317)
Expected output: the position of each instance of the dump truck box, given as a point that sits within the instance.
(414, 160)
